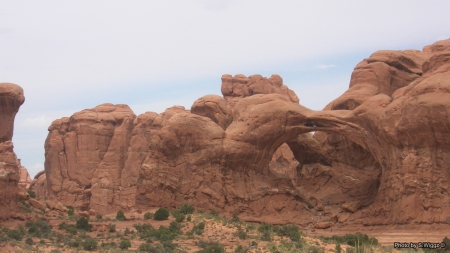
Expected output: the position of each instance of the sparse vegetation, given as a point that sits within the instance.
(148, 216)
(83, 224)
(161, 214)
(89, 244)
(32, 194)
(187, 209)
(70, 210)
(98, 217)
(199, 228)
(210, 247)
(120, 216)
(125, 244)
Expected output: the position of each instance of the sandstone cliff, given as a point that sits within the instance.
(11, 98)
(379, 151)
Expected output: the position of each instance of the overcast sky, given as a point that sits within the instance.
(72, 55)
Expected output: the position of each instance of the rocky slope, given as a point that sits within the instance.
(11, 98)
(378, 156)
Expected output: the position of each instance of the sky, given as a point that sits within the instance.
(151, 55)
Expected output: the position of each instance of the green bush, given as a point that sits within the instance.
(125, 244)
(199, 228)
(265, 236)
(210, 247)
(446, 240)
(175, 227)
(32, 194)
(148, 215)
(179, 216)
(241, 234)
(146, 247)
(68, 227)
(189, 218)
(29, 241)
(187, 209)
(235, 218)
(89, 244)
(239, 249)
(112, 228)
(83, 224)
(98, 216)
(120, 216)
(338, 248)
(16, 234)
(265, 227)
(109, 245)
(70, 210)
(38, 229)
(143, 228)
(161, 214)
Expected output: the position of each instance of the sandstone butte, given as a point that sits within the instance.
(380, 153)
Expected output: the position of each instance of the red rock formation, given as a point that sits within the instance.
(11, 98)
(39, 184)
(379, 151)
(25, 179)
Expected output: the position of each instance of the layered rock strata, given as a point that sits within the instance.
(11, 98)
(379, 151)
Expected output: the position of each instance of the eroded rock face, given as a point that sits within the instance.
(11, 98)
(25, 179)
(379, 151)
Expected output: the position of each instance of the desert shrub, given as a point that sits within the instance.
(179, 216)
(68, 227)
(120, 216)
(15, 234)
(142, 228)
(266, 236)
(266, 227)
(161, 214)
(83, 224)
(355, 240)
(187, 209)
(241, 234)
(89, 244)
(446, 240)
(25, 206)
(175, 227)
(294, 236)
(32, 194)
(38, 228)
(338, 248)
(29, 241)
(125, 244)
(70, 210)
(287, 247)
(112, 228)
(235, 218)
(239, 249)
(98, 216)
(164, 234)
(75, 244)
(213, 212)
(285, 230)
(199, 228)
(314, 249)
(146, 247)
(169, 246)
(148, 215)
(189, 218)
(210, 247)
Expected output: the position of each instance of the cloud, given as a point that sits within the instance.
(42, 121)
(36, 167)
(325, 66)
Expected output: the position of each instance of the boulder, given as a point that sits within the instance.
(50, 204)
(323, 225)
(36, 204)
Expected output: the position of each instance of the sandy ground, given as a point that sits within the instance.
(223, 233)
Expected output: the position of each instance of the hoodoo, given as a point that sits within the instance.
(11, 98)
